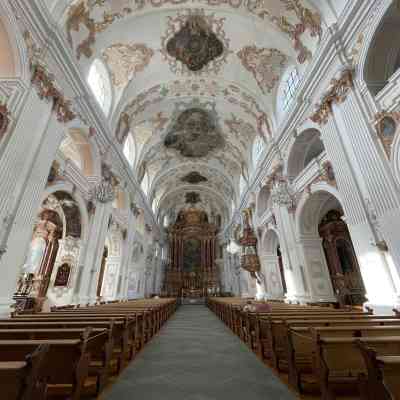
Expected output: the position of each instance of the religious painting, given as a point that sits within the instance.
(194, 178)
(63, 274)
(191, 255)
(195, 45)
(195, 133)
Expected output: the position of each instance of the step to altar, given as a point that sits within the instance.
(193, 301)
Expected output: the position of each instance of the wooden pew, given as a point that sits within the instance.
(23, 380)
(383, 373)
(124, 334)
(339, 362)
(67, 380)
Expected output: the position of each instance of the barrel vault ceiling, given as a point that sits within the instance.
(194, 82)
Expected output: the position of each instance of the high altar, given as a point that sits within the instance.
(192, 271)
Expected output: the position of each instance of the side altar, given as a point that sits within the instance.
(192, 272)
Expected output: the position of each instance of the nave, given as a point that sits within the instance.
(195, 357)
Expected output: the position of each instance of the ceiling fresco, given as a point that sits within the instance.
(198, 43)
(292, 18)
(193, 178)
(195, 133)
(195, 83)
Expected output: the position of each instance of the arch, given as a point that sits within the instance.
(68, 188)
(380, 56)
(112, 264)
(305, 147)
(77, 148)
(312, 207)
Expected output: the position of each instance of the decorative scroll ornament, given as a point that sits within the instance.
(387, 124)
(266, 65)
(195, 42)
(126, 60)
(337, 94)
(4, 119)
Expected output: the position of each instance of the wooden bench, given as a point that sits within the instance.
(22, 380)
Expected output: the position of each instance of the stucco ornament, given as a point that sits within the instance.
(195, 133)
(195, 42)
(126, 60)
(281, 193)
(266, 65)
(104, 191)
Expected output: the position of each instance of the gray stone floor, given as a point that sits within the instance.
(196, 357)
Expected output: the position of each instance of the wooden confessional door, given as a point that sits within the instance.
(342, 261)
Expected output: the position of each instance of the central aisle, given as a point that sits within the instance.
(196, 357)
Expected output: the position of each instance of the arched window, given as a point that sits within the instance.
(288, 89)
(258, 147)
(145, 183)
(99, 82)
(129, 150)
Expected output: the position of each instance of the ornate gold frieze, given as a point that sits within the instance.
(337, 94)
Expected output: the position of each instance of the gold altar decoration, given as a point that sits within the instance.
(201, 279)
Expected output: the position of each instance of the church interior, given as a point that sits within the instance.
(200, 199)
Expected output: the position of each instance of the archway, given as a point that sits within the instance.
(108, 281)
(341, 259)
(383, 57)
(306, 147)
(330, 262)
(52, 258)
(273, 266)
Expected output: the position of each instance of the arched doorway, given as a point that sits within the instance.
(332, 272)
(272, 265)
(52, 257)
(341, 259)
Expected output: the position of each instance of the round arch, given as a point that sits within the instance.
(367, 71)
(304, 148)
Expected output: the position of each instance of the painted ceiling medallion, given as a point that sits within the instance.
(194, 178)
(195, 132)
(195, 42)
(126, 60)
(266, 65)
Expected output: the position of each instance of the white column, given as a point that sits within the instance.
(94, 252)
(352, 189)
(28, 175)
